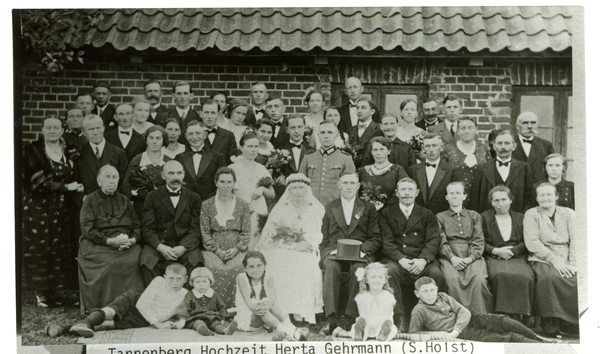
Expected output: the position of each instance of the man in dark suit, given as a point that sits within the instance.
(410, 242)
(348, 114)
(182, 95)
(170, 226)
(400, 152)
(433, 176)
(218, 139)
(256, 111)
(125, 137)
(101, 94)
(153, 93)
(530, 148)
(85, 102)
(296, 145)
(514, 174)
(366, 129)
(449, 127)
(430, 114)
(73, 133)
(97, 153)
(348, 217)
(275, 110)
(200, 162)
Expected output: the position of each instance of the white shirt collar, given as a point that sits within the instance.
(182, 111)
(130, 129)
(449, 125)
(102, 108)
(348, 202)
(146, 159)
(436, 162)
(100, 146)
(406, 209)
(209, 293)
(521, 137)
(367, 123)
(174, 191)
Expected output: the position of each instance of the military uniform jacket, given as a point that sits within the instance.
(324, 172)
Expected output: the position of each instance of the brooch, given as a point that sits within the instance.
(357, 216)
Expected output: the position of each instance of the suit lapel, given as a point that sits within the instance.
(359, 209)
(219, 140)
(338, 214)
(422, 181)
(181, 204)
(107, 154)
(90, 159)
(488, 171)
(204, 162)
(513, 172)
(165, 199)
(368, 134)
(440, 173)
(414, 217)
(399, 215)
(188, 163)
(536, 150)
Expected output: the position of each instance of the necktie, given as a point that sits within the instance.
(122, 132)
(427, 164)
(174, 194)
(98, 156)
(500, 163)
(452, 129)
(528, 141)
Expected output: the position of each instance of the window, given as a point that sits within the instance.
(553, 107)
(386, 97)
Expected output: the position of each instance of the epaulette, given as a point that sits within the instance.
(344, 152)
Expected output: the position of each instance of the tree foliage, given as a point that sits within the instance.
(46, 36)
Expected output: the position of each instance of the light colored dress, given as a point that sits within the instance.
(247, 181)
(225, 229)
(243, 314)
(296, 275)
(375, 310)
(237, 130)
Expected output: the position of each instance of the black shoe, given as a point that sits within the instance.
(549, 325)
(327, 329)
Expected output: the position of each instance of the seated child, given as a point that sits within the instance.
(202, 308)
(375, 304)
(448, 319)
(156, 306)
(255, 301)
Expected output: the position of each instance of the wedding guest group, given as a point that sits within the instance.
(251, 207)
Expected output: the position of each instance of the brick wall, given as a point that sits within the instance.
(486, 90)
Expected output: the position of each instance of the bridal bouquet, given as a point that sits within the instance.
(308, 132)
(417, 142)
(277, 160)
(259, 205)
(372, 193)
(286, 235)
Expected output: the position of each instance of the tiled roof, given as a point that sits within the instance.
(409, 28)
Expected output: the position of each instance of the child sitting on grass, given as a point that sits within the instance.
(255, 301)
(156, 306)
(202, 308)
(448, 319)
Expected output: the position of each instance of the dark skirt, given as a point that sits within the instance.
(512, 285)
(106, 273)
(555, 296)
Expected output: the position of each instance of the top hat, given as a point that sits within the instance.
(348, 250)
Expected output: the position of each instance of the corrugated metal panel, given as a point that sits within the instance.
(287, 29)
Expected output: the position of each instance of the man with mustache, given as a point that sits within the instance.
(153, 93)
(400, 153)
(430, 114)
(170, 226)
(530, 148)
(514, 174)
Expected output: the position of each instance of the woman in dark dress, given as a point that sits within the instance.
(109, 252)
(264, 130)
(144, 171)
(382, 173)
(510, 276)
(555, 167)
(49, 249)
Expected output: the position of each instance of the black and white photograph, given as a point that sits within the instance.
(285, 180)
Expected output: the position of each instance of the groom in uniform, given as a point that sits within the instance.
(348, 217)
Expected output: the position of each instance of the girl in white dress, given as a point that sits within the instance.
(375, 304)
(290, 242)
(256, 301)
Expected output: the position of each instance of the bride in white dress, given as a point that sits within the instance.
(290, 242)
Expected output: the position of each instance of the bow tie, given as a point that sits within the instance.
(353, 105)
(122, 132)
(362, 126)
(427, 164)
(199, 152)
(211, 131)
(278, 123)
(528, 141)
(500, 163)
(296, 146)
(174, 194)
(260, 111)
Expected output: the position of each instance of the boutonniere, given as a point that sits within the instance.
(357, 216)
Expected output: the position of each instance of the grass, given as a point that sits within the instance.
(34, 319)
